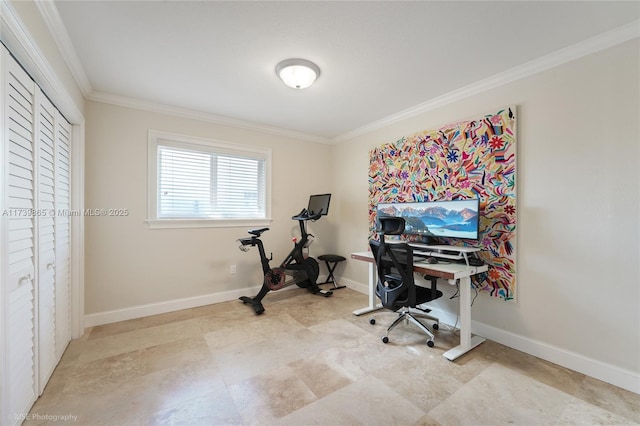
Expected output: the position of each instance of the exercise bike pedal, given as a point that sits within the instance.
(325, 293)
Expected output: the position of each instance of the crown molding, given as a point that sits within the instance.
(552, 60)
(128, 102)
(51, 16)
(23, 47)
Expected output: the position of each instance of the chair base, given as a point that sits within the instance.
(409, 315)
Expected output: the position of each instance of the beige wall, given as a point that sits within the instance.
(578, 205)
(128, 264)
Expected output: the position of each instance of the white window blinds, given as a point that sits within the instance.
(184, 183)
(208, 180)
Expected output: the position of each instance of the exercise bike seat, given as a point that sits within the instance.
(257, 232)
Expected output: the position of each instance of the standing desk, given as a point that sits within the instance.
(448, 271)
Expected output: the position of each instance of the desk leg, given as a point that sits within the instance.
(373, 278)
(466, 341)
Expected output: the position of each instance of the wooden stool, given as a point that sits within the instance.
(332, 260)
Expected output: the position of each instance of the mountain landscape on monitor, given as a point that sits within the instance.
(425, 220)
(439, 217)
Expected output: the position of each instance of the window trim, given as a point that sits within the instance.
(159, 137)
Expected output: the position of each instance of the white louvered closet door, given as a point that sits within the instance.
(63, 234)
(35, 242)
(46, 283)
(18, 379)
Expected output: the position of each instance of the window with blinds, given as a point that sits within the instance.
(193, 179)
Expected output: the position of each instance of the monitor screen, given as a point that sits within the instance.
(319, 204)
(445, 219)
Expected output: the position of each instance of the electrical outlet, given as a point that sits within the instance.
(233, 269)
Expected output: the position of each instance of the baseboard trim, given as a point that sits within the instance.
(108, 317)
(354, 285)
(625, 379)
(612, 374)
(140, 311)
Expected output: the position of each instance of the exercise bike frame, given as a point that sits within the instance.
(293, 263)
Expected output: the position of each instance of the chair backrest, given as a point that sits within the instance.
(394, 263)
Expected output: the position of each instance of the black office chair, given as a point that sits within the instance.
(396, 286)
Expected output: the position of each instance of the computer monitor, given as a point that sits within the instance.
(433, 219)
(319, 204)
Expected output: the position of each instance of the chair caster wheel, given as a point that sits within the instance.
(372, 321)
(385, 339)
(436, 326)
(430, 343)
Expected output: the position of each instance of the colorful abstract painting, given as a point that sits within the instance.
(469, 159)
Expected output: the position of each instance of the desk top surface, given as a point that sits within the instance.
(441, 270)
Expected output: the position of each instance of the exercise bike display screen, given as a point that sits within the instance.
(319, 204)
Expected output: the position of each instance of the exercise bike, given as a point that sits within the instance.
(297, 268)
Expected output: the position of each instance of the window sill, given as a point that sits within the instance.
(206, 223)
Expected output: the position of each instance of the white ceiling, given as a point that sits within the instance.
(376, 58)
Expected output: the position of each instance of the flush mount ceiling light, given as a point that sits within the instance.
(297, 73)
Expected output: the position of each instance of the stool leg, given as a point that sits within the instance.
(330, 278)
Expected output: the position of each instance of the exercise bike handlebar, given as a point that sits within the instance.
(303, 216)
(306, 215)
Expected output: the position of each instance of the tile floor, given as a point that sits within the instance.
(308, 361)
